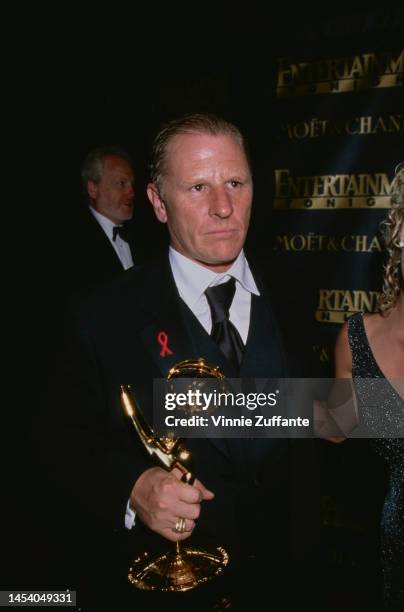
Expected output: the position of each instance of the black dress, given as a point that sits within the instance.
(389, 416)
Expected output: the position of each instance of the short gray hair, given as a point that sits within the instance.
(91, 169)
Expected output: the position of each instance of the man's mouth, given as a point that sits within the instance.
(222, 232)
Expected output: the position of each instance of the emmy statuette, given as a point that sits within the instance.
(183, 568)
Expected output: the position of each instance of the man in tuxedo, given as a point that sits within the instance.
(201, 300)
(100, 245)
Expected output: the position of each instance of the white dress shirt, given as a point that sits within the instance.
(120, 246)
(192, 280)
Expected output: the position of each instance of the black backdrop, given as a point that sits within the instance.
(117, 93)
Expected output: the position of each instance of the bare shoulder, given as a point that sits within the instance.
(343, 357)
(373, 324)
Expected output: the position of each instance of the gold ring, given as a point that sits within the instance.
(179, 526)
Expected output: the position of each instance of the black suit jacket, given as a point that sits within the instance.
(112, 339)
(89, 257)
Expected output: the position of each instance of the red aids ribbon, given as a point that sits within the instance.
(162, 339)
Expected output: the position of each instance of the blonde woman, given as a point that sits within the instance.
(372, 347)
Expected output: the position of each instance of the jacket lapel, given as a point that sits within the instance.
(173, 333)
(263, 357)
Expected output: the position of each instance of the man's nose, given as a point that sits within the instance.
(221, 204)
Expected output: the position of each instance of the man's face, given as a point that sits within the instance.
(206, 198)
(113, 196)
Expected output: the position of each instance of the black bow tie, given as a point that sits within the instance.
(123, 232)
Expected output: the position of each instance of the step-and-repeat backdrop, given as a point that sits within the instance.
(335, 136)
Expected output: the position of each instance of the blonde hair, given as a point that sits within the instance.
(194, 123)
(391, 227)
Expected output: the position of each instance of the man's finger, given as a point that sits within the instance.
(206, 494)
(186, 510)
(173, 536)
(190, 494)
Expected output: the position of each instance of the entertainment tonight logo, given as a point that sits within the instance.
(331, 191)
(340, 75)
(337, 305)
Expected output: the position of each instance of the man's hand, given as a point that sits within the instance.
(160, 499)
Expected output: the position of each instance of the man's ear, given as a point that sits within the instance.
(158, 204)
(92, 190)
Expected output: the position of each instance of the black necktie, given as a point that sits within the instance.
(223, 331)
(122, 230)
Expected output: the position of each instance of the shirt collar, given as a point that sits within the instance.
(192, 279)
(106, 224)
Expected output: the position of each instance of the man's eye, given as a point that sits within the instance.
(235, 183)
(198, 187)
